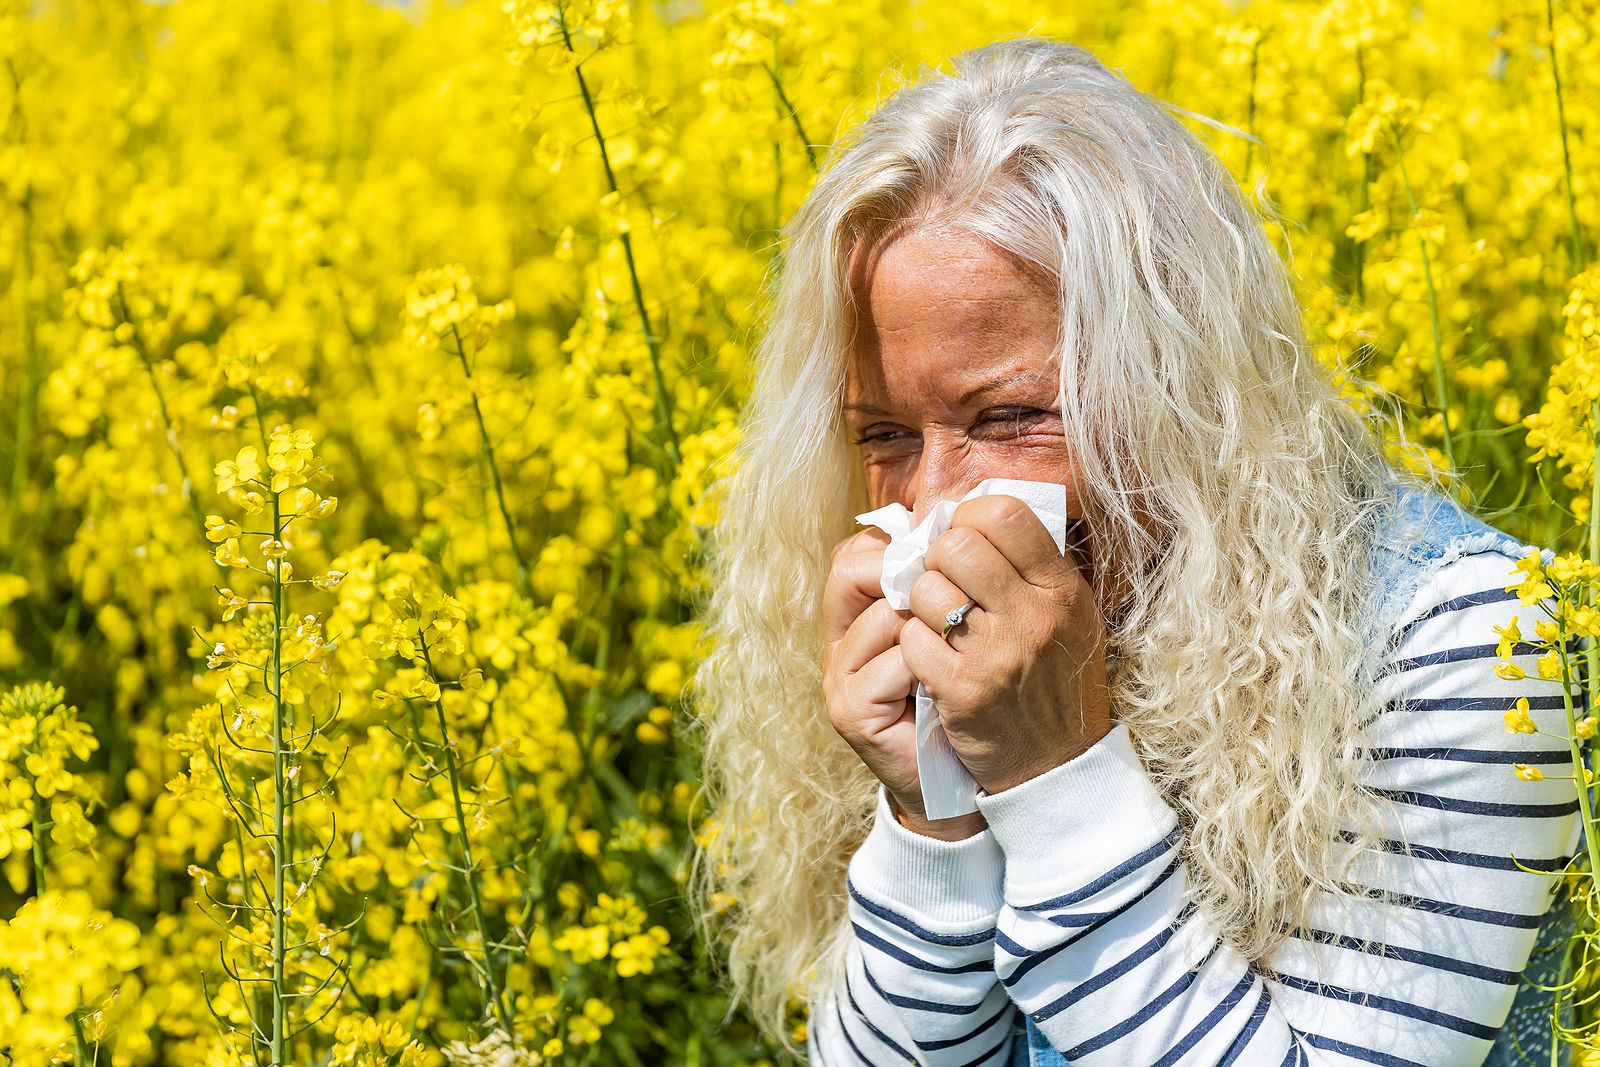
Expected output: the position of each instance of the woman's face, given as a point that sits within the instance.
(951, 380)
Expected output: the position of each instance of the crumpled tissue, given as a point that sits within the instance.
(948, 789)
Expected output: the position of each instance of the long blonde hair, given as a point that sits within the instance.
(1189, 394)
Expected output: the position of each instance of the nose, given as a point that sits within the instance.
(941, 474)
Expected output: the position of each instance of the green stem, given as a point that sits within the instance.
(166, 415)
(1592, 682)
(40, 859)
(80, 1049)
(663, 400)
(602, 652)
(1442, 395)
(1585, 807)
(1250, 111)
(1366, 192)
(494, 469)
(422, 992)
(1589, 836)
(794, 116)
(26, 397)
(1576, 235)
(469, 867)
(280, 800)
(278, 527)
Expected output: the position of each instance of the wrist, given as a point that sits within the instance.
(1050, 761)
(1089, 815)
(950, 887)
(958, 828)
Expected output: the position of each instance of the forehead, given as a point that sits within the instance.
(943, 303)
(981, 278)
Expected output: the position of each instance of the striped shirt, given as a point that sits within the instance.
(1071, 906)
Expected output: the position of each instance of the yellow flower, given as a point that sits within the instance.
(1527, 773)
(220, 529)
(1508, 409)
(1366, 225)
(637, 954)
(246, 467)
(231, 603)
(228, 554)
(1510, 634)
(584, 944)
(1550, 665)
(1518, 720)
(328, 580)
(291, 459)
(1532, 587)
(1585, 621)
(441, 308)
(563, 252)
(1509, 671)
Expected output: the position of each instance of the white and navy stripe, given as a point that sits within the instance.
(1072, 906)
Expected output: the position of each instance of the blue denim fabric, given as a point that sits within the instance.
(1422, 532)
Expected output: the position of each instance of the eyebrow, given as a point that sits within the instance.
(970, 395)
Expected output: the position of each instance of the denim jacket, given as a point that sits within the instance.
(1423, 531)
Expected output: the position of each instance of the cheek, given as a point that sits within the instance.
(1035, 457)
(888, 482)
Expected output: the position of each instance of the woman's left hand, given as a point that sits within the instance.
(1021, 682)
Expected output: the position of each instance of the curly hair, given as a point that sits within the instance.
(1226, 475)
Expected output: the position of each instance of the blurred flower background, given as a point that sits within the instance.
(365, 376)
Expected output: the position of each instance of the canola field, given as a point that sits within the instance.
(365, 376)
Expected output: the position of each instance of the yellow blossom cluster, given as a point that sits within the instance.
(1564, 427)
(441, 305)
(71, 968)
(1563, 588)
(371, 374)
(43, 796)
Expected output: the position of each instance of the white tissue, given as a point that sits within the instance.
(948, 789)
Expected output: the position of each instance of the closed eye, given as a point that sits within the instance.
(1018, 420)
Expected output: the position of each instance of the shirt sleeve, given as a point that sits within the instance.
(919, 985)
(1098, 944)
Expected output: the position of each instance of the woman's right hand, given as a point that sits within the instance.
(869, 691)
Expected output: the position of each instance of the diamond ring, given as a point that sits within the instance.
(954, 617)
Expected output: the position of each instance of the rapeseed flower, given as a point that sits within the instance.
(224, 306)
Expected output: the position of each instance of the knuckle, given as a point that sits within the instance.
(963, 538)
(962, 688)
(1036, 632)
(839, 712)
(1009, 509)
(977, 509)
(1044, 634)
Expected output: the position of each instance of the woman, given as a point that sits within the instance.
(1206, 734)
